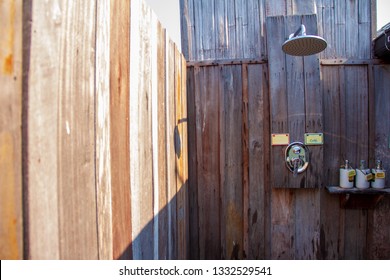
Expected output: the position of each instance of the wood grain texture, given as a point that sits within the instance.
(378, 232)
(231, 181)
(76, 134)
(141, 157)
(278, 98)
(192, 165)
(181, 156)
(11, 211)
(120, 129)
(162, 144)
(41, 136)
(258, 161)
(171, 155)
(102, 129)
(331, 214)
(207, 105)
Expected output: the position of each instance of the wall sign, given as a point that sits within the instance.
(280, 139)
(314, 139)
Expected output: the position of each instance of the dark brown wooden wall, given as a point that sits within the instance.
(341, 92)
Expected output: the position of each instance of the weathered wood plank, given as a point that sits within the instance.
(331, 214)
(120, 129)
(162, 144)
(276, 8)
(282, 224)
(11, 210)
(378, 231)
(258, 173)
(282, 218)
(198, 36)
(120, 150)
(245, 158)
(141, 131)
(232, 208)
(181, 156)
(303, 7)
(171, 156)
(313, 109)
(192, 166)
(102, 128)
(356, 148)
(42, 115)
(207, 105)
(231, 29)
(187, 28)
(364, 29)
(221, 40)
(278, 97)
(351, 34)
(76, 134)
(295, 91)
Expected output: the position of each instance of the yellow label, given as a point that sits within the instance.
(369, 177)
(380, 175)
(280, 139)
(351, 173)
(314, 139)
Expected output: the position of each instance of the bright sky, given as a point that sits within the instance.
(383, 13)
(168, 12)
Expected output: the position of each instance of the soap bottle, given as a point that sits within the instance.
(347, 175)
(363, 176)
(379, 175)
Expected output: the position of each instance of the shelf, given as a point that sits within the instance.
(339, 190)
(355, 198)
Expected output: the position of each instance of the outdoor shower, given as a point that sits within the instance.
(300, 44)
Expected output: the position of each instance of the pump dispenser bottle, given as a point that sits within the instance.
(378, 181)
(363, 176)
(347, 175)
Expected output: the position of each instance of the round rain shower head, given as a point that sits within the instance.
(300, 44)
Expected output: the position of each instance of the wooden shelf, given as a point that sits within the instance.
(355, 198)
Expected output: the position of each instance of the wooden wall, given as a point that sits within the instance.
(102, 135)
(11, 226)
(341, 92)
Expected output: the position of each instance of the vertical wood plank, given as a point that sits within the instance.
(207, 89)
(11, 209)
(245, 158)
(356, 149)
(232, 208)
(295, 91)
(331, 214)
(192, 164)
(76, 134)
(154, 134)
(162, 144)
(171, 156)
(258, 149)
(141, 156)
(282, 218)
(221, 40)
(278, 97)
(181, 156)
(120, 128)
(313, 110)
(351, 36)
(42, 114)
(307, 212)
(276, 8)
(102, 128)
(378, 230)
(231, 29)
